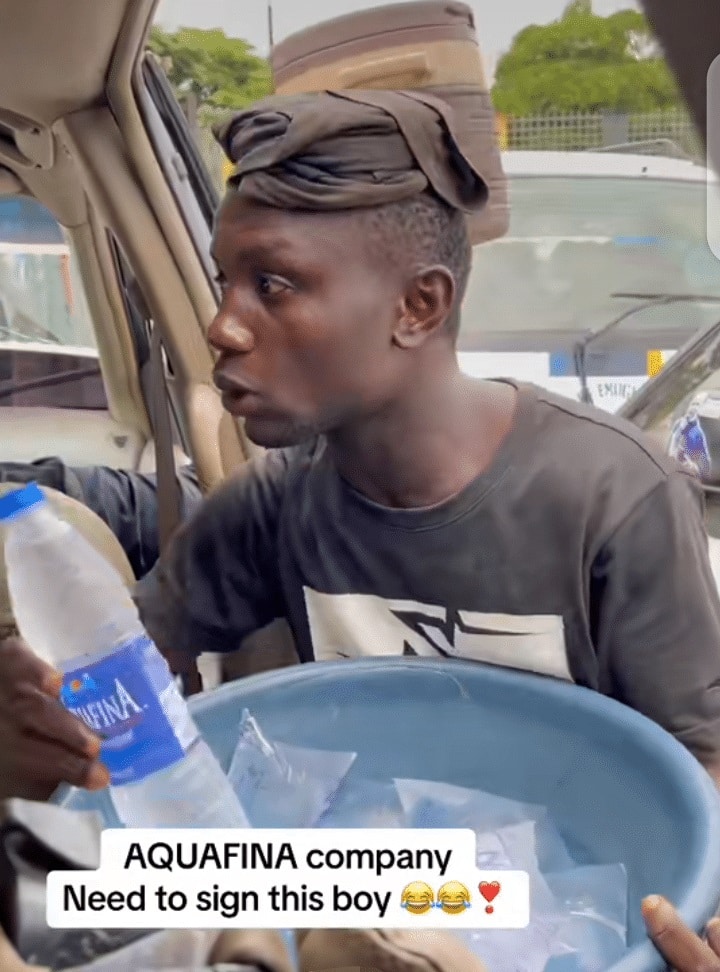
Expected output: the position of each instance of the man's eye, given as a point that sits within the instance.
(220, 280)
(270, 286)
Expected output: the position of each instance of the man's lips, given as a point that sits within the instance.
(231, 386)
(238, 398)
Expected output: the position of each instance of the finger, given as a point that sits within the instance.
(681, 948)
(42, 716)
(10, 961)
(17, 657)
(44, 766)
(713, 935)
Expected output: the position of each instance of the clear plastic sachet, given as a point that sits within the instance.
(435, 805)
(578, 915)
(279, 785)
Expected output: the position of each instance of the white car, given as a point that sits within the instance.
(585, 226)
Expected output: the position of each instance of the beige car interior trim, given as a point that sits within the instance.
(108, 174)
(115, 344)
(217, 455)
(60, 189)
(25, 95)
(61, 65)
(10, 185)
(170, 507)
(25, 142)
(123, 84)
(90, 57)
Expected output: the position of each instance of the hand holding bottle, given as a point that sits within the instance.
(41, 744)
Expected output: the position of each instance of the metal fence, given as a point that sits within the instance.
(662, 132)
(669, 133)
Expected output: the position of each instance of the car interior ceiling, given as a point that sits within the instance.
(77, 143)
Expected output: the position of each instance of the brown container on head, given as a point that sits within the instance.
(428, 45)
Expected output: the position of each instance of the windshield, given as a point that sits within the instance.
(575, 240)
(695, 370)
(42, 299)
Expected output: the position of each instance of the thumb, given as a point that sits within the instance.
(10, 961)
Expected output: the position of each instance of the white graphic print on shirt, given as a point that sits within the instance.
(363, 625)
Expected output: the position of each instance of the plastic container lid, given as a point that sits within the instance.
(20, 501)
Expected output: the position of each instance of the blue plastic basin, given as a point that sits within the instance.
(619, 788)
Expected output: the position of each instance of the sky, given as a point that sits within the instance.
(496, 23)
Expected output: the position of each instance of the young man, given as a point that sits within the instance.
(404, 508)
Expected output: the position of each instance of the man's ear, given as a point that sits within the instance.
(426, 305)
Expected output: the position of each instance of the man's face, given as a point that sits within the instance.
(304, 328)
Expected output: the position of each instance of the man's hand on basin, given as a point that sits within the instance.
(683, 950)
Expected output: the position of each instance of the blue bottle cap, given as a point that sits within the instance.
(20, 501)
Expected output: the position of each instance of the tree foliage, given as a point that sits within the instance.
(222, 71)
(584, 62)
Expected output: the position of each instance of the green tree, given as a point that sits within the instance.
(584, 62)
(222, 71)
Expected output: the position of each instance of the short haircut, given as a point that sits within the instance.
(423, 231)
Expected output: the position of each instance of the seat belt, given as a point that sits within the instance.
(168, 487)
(169, 492)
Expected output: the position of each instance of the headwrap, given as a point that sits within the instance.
(334, 150)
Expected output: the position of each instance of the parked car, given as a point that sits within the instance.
(595, 238)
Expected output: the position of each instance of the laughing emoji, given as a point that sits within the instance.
(418, 898)
(453, 898)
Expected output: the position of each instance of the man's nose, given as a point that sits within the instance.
(227, 332)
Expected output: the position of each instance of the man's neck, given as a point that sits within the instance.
(427, 447)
